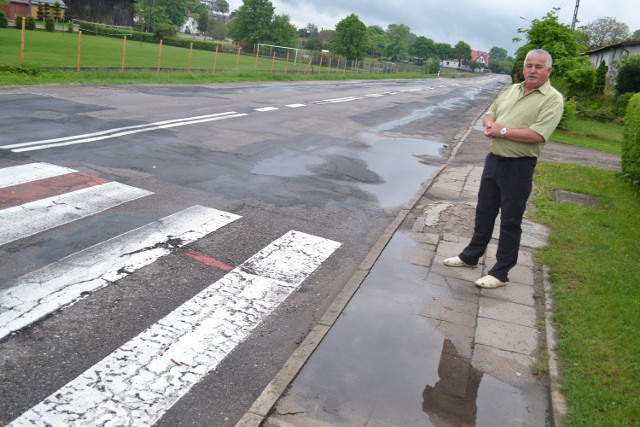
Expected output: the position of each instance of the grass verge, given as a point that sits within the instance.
(591, 134)
(591, 255)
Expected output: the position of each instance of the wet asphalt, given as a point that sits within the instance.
(410, 342)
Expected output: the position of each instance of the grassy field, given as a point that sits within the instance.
(101, 60)
(596, 283)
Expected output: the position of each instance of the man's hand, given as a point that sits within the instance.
(491, 127)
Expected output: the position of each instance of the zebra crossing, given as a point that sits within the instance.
(141, 380)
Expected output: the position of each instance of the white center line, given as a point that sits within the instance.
(262, 109)
(117, 132)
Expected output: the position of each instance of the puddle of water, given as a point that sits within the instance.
(397, 163)
(388, 167)
(287, 165)
(383, 361)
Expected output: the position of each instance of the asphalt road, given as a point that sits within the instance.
(332, 160)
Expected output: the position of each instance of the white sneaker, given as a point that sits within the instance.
(456, 262)
(490, 282)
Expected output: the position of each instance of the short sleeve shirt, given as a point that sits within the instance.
(540, 111)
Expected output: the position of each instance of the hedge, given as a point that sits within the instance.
(104, 30)
(631, 142)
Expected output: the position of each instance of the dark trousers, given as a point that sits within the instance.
(505, 186)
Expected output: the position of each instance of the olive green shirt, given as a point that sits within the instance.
(540, 110)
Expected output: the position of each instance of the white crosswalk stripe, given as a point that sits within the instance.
(34, 217)
(140, 381)
(44, 291)
(16, 175)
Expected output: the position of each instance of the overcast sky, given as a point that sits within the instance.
(481, 24)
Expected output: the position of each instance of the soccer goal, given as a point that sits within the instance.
(280, 52)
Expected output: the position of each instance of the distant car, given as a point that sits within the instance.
(388, 67)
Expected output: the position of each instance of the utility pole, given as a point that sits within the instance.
(575, 15)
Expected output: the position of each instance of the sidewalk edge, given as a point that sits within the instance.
(556, 398)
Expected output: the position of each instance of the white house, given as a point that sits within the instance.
(190, 26)
(611, 53)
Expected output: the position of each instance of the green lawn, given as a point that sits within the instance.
(591, 134)
(45, 53)
(596, 282)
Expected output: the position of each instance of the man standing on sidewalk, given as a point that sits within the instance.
(519, 122)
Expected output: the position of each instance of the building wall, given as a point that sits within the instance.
(16, 9)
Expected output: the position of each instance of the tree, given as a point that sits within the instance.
(311, 30)
(57, 11)
(221, 6)
(604, 32)
(377, 40)
(423, 47)
(402, 38)
(218, 29)
(350, 38)
(560, 41)
(253, 22)
(601, 77)
(462, 51)
(283, 32)
(635, 35)
(153, 14)
(395, 47)
(498, 54)
(314, 42)
(204, 22)
(444, 50)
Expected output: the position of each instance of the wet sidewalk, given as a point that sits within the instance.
(410, 342)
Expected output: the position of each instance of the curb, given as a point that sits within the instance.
(556, 398)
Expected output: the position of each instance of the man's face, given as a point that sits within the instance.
(535, 71)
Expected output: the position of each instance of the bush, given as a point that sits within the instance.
(601, 77)
(70, 27)
(631, 142)
(621, 102)
(628, 79)
(49, 25)
(30, 24)
(18, 22)
(4, 22)
(570, 112)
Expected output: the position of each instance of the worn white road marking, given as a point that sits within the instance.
(337, 100)
(15, 175)
(140, 381)
(295, 105)
(30, 218)
(64, 282)
(374, 95)
(263, 109)
(117, 132)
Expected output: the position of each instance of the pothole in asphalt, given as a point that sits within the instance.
(576, 198)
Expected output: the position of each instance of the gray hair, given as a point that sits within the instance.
(540, 52)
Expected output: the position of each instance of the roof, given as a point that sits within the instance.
(475, 54)
(613, 46)
(36, 2)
